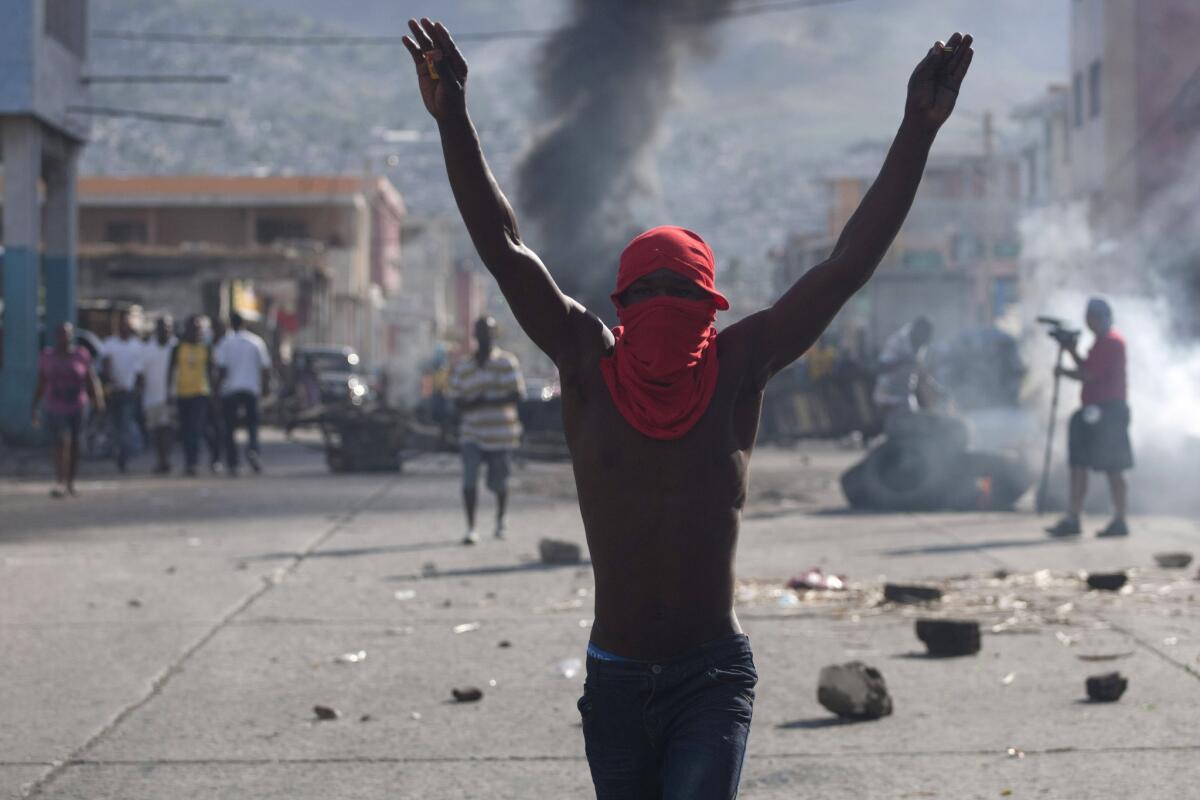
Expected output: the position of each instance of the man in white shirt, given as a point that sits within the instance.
(156, 401)
(243, 365)
(902, 367)
(121, 356)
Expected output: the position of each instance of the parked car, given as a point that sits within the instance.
(339, 375)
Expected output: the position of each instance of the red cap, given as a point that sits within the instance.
(676, 249)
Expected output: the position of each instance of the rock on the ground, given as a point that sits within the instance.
(949, 637)
(467, 694)
(1178, 560)
(1107, 688)
(326, 712)
(556, 551)
(907, 593)
(1107, 581)
(854, 690)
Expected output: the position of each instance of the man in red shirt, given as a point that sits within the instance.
(1098, 437)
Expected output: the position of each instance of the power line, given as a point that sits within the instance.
(91, 79)
(148, 116)
(322, 40)
(297, 40)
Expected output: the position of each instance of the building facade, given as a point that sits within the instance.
(955, 260)
(43, 48)
(312, 258)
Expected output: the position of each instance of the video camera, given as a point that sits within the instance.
(1059, 331)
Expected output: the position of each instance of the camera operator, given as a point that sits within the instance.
(1098, 436)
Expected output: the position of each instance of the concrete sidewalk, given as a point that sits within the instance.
(170, 637)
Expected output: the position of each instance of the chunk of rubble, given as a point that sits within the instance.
(1106, 688)
(556, 551)
(854, 690)
(949, 637)
(326, 712)
(911, 593)
(467, 694)
(1176, 560)
(1107, 581)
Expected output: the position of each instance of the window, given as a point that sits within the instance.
(922, 260)
(1094, 89)
(268, 230)
(125, 232)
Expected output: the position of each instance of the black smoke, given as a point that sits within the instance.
(606, 79)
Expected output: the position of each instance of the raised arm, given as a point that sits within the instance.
(804, 311)
(542, 310)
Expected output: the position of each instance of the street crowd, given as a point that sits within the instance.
(196, 385)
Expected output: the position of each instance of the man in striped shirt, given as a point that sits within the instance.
(486, 388)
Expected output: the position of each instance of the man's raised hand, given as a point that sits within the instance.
(933, 87)
(441, 69)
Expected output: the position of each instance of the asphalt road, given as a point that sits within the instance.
(168, 638)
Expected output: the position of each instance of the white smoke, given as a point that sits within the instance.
(1065, 262)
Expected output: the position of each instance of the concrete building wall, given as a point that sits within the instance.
(1088, 140)
(1167, 91)
(17, 49)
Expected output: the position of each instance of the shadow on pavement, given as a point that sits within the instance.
(942, 549)
(350, 552)
(915, 655)
(816, 723)
(847, 511)
(508, 569)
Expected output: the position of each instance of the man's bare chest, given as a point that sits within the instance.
(611, 456)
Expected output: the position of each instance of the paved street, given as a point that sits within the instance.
(168, 638)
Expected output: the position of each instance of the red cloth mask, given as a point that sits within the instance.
(663, 369)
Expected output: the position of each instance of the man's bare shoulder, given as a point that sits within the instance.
(589, 341)
(742, 348)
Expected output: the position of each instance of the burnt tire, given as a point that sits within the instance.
(899, 476)
(988, 482)
(949, 434)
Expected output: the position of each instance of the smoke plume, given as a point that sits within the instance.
(606, 78)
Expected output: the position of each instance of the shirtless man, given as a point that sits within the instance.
(660, 434)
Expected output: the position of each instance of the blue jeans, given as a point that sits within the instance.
(193, 412)
(674, 730)
(230, 403)
(499, 466)
(126, 439)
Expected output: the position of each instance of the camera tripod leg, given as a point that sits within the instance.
(1044, 484)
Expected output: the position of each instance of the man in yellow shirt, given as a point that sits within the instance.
(191, 375)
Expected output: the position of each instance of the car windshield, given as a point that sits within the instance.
(333, 362)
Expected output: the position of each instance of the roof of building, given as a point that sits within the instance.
(236, 190)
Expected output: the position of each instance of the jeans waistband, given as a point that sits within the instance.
(705, 655)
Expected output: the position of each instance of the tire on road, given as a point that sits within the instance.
(905, 475)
